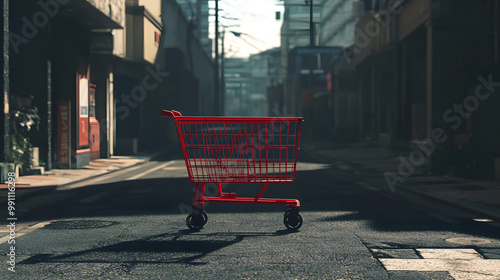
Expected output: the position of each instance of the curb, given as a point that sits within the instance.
(41, 189)
(474, 210)
(154, 156)
(408, 188)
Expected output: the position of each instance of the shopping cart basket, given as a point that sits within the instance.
(222, 150)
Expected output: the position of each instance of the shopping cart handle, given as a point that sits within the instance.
(166, 113)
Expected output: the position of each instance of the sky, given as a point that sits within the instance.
(257, 23)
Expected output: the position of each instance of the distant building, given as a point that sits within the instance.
(333, 26)
(295, 28)
(338, 19)
(189, 88)
(237, 97)
(197, 13)
(295, 32)
(264, 77)
(339, 106)
(139, 76)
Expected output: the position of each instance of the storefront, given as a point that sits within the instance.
(53, 65)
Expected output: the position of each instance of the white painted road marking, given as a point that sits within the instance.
(175, 168)
(93, 181)
(150, 170)
(24, 230)
(461, 264)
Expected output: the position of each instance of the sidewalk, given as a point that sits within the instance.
(369, 164)
(60, 177)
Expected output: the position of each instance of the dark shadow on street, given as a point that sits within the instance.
(318, 190)
(183, 247)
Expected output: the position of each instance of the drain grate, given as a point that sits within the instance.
(78, 224)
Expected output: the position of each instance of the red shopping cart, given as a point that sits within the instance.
(221, 150)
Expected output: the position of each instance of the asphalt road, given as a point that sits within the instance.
(130, 224)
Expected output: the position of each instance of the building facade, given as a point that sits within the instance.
(236, 84)
(426, 75)
(264, 75)
(338, 19)
(139, 76)
(197, 13)
(189, 88)
(165, 67)
(59, 80)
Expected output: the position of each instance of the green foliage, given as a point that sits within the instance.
(22, 122)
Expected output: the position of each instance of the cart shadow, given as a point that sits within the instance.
(182, 247)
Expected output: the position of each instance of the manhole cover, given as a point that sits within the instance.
(468, 241)
(78, 224)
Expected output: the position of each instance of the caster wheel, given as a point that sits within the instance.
(292, 219)
(196, 221)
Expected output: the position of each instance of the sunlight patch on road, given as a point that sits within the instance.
(175, 168)
(106, 176)
(150, 171)
(461, 264)
(468, 241)
(308, 166)
(23, 230)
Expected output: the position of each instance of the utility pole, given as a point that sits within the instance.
(311, 61)
(216, 64)
(6, 89)
(222, 78)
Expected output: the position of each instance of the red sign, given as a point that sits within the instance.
(64, 133)
(84, 132)
(329, 81)
(83, 114)
(157, 38)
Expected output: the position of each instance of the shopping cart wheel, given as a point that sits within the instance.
(196, 221)
(292, 219)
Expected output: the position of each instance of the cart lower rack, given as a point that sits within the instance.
(221, 150)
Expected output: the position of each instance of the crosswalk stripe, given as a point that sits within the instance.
(150, 171)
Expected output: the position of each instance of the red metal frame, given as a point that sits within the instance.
(200, 199)
(238, 150)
